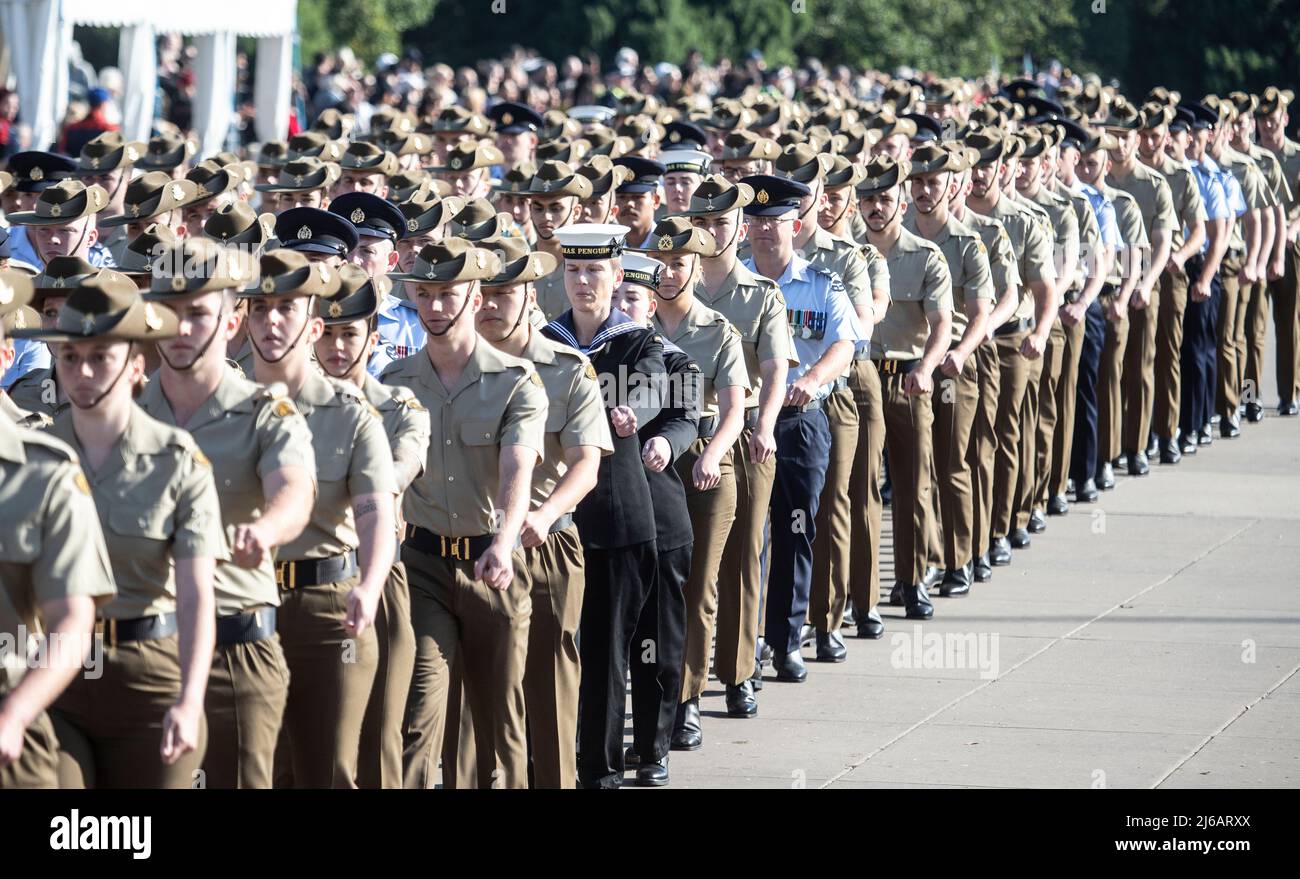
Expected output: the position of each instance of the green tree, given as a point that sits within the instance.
(369, 27)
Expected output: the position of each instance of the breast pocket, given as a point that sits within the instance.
(142, 523)
(19, 542)
(480, 439)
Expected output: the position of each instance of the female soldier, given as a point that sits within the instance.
(139, 724)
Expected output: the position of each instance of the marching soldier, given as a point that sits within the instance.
(141, 723)
(908, 345)
(469, 582)
(16, 314)
(299, 183)
(265, 471)
(826, 334)
(332, 575)
(348, 339)
(606, 178)
(107, 161)
(39, 390)
(555, 195)
(1271, 118)
(638, 198)
(616, 520)
(400, 332)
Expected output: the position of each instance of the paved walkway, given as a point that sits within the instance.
(1149, 640)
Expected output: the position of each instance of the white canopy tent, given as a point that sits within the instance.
(39, 32)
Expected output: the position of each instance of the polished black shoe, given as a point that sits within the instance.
(653, 774)
(756, 679)
(1153, 447)
(1187, 443)
(917, 603)
(1214, 420)
(764, 651)
(1037, 522)
(956, 582)
(1254, 413)
(1057, 505)
(1000, 551)
(1087, 493)
(1018, 538)
(687, 733)
(1138, 464)
(1121, 461)
(1205, 436)
(1230, 428)
(932, 578)
(830, 647)
(790, 668)
(1106, 478)
(741, 701)
(1169, 451)
(896, 595)
(871, 626)
(1287, 409)
(631, 757)
(849, 616)
(807, 634)
(983, 569)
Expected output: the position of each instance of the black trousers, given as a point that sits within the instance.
(1083, 451)
(1200, 354)
(658, 650)
(803, 452)
(618, 583)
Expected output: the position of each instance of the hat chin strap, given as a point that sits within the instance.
(453, 320)
(292, 345)
(197, 357)
(121, 372)
(351, 366)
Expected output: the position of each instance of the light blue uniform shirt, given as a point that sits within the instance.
(1104, 209)
(29, 355)
(23, 249)
(400, 333)
(820, 313)
(1218, 202)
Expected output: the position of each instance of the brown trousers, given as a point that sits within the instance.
(1286, 326)
(110, 729)
(832, 540)
(379, 764)
(983, 446)
(455, 615)
(1013, 388)
(1231, 354)
(1110, 395)
(1139, 385)
(740, 580)
(37, 766)
(955, 401)
(866, 508)
(330, 678)
(1026, 475)
(1252, 370)
(712, 514)
(1065, 406)
(909, 440)
(1169, 346)
(247, 690)
(1048, 412)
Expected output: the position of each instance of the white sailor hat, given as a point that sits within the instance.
(691, 161)
(592, 113)
(641, 269)
(592, 240)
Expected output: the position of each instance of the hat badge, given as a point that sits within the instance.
(37, 174)
(178, 284)
(57, 282)
(506, 118)
(304, 233)
(455, 162)
(762, 197)
(480, 259)
(152, 319)
(20, 321)
(336, 310)
(178, 191)
(132, 154)
(431, 273)
(412, 224)
(95, 197)
(666, 242)
(324, 272)
(268, 285)
(357, 216)
(297, 180)
(87, 323)
(202, 191)
(537, 264)
(56, 210)
(135, 210)
(94, 162)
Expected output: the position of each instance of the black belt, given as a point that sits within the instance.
(896, 367)
(751, 418)
(152, 628)
(561, 523)
(465, 549)
(1013, 326)
(708, 427)
(315, 572)
(789, 411)
(246, 627)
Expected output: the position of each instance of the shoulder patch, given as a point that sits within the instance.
(79, 480)
(980, 245)
(535, 378)
(202, 458)
(589, 371)
(374, 411)
(284, 407)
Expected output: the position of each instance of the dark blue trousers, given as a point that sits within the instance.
(1083, 451)
(1199, 354)
(803, 452)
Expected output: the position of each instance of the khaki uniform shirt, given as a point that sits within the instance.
(352, 458)
(968, 266)
(15, 414)
(1002, 259)
(498, 401)
(1065, 228)
(1186, 197)
(156, 503)
(551, 298)
(1132, 230)
(714, 345)
(1253, 189)
(1089, 229)
(1031, 242)
(247, 432)
(38, 391)
(860, 266)
(575, 415)
(1289, 158)
(51, 545)
(919, 284)
(405, 420)
(1274, 178)
(755, 307)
